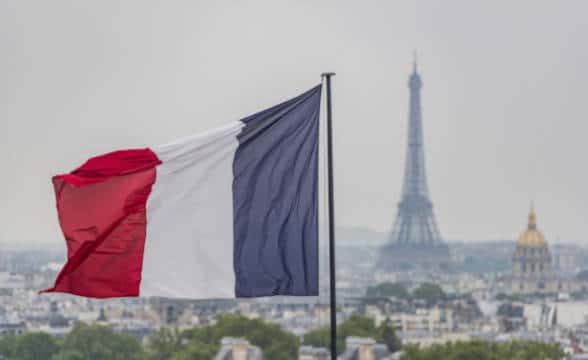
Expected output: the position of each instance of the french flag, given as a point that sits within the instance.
(229, 213)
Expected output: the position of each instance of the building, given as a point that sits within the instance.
(567, 259)
(313, 353)
(531, 261)
(425, 339)
(238, 349)
(415, 242)
(357, 348)
(11, 327)
(532, 265)
(424, 320)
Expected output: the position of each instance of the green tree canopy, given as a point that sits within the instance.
(7, 346)
(96, 342)
(387, 334)
(204, 342)
(483, 350)
(429, 292)
(508, 297)
(68, 355)
(356, 325)
(388, 289)
(196, 351)
(276, 343)
(163, 344)
(34, 346)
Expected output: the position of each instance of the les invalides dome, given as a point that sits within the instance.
(532, 237)
(531, 261)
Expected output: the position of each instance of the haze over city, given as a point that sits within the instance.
(503, 99)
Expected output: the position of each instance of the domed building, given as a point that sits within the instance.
(532, 264)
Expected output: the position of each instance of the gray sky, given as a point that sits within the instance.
(504, 98)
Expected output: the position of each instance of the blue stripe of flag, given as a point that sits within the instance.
(275, 200)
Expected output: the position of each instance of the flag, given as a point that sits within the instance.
(228, 213)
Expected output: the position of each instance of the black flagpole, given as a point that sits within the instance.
(333, 287)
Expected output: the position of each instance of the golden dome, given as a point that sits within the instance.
(532, 237)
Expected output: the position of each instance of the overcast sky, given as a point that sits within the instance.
(505, 98)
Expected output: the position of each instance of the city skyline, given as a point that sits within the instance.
(503, 105)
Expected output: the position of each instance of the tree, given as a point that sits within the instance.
(356, 325)
(35, 346)
(320, 337)
(388, 289)
(204, 342)
(7, 346)
(96, 342)
(163, 344)
(431, 293)
(507, 297)
(276, 343)
(196, 351)
(387, 334)
(68, 355)
(483, 350)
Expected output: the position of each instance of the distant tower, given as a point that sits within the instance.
(415, 242)
(531, 262)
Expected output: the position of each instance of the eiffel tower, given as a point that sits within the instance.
(415, 241)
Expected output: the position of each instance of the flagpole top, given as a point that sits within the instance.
(328, 74)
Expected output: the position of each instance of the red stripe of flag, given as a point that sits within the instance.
(102, 213)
